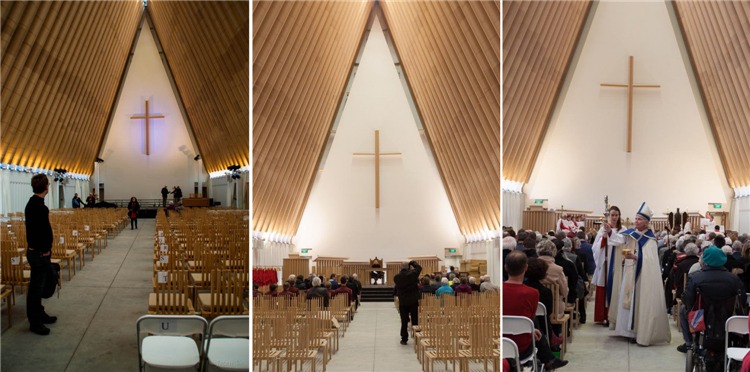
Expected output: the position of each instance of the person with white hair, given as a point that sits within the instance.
(488, 286)
(547, 251)
(356, 288)
(640, 311)
(318, 291)
(683, 265)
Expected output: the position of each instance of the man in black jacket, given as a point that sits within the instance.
(356, 288)
(407, 290)
(38, 253)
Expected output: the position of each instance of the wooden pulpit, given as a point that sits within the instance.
(295, 265)
(326, 266)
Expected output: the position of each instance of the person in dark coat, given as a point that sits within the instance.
(683, 267)
(586, 250)
(356, 288)
(715, 285)
(133, 208)
(408, 296)
(38, 254)
(424, 287)
(164, 193)
(536, 271)
(569, 269)
(318, 291)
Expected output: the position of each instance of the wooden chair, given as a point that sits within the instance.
(5, 294)
(225, 297)
(13, 273)
(444, 347)
(554, 319)
(376, 270)
(480, 338)
(262, 349)
(170, 294)
(61, 252)
(301, 348)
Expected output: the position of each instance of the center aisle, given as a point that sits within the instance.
(97, 311)
(595, 348)
(372, 342)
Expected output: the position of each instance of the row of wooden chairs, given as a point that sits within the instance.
(295, 330)
(74, 231)
(201, 264)
(448, 332)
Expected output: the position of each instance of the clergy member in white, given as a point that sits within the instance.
(608, 264)
(641, 308)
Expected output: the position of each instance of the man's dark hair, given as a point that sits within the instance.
(300, 277)
(453, 268)
(522, 235)
(719, 241)
(273, 287)
(581, 235)
(286, 285)
(512, 233)
(711, 236)
(537, 269)
(515, 263)
(438, 277)
(425, 281)
(344, 279)
(39, 183)
(530, 242)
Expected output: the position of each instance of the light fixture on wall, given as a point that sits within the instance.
(60, 174)
(197, 157)
(234, 171)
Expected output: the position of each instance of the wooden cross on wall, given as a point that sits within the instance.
(147, 116)
(630, 87)
(377, 155)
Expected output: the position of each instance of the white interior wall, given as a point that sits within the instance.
(127, 170)
(415, 217)
(674, 162)
(513, 206)
(740, 218)
(16, 191)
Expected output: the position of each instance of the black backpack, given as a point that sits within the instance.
(51, 281)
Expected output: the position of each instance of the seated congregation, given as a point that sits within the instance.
(303, 319)
(552, 278)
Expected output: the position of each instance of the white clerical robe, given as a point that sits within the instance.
(640, 309)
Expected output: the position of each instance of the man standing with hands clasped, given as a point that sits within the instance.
(407, 290)
(39, 239)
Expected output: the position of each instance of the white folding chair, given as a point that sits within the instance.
(228, 343)
(518, 325)
(735, 324)
(510, 351)
(164, 341)
(541, 310)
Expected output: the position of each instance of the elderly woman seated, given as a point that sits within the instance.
(547, 252)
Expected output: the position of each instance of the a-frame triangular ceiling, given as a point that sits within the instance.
(62, 64)
(450, 55)
(303, 53)
(206, 46)
(539, 38)
(717, 35)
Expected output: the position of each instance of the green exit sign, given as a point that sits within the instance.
(717, 205)
(451, 250)
(305, 251)
(539, 201)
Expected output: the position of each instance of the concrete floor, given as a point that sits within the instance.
(97, 311)
(372, 344)
(595, 348)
